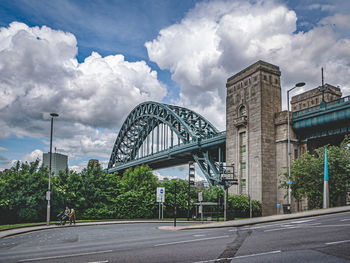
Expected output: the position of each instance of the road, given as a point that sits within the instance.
(316, 239)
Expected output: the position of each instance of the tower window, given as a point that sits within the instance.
(242, 111)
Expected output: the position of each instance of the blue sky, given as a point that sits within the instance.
(93, 61)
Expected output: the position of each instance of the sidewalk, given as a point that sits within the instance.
(195, 225)
(260, 220)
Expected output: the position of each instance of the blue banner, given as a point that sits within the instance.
(325, 165)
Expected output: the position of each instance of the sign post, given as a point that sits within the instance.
(200, 199)
(160, 198)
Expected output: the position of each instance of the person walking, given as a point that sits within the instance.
(72, 217)
(66, 215)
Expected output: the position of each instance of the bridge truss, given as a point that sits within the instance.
(163, 135)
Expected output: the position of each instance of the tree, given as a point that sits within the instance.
(137, 197)
(307, 175)
(22, 193)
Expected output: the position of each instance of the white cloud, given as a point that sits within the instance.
(33, 156)
(3, 149)
(219, 38)
(39, 74)
(161, 176)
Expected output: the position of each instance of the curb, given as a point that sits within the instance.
(267, 219)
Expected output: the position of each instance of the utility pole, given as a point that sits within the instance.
(175, 205)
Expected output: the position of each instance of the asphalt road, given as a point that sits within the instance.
(316, 239)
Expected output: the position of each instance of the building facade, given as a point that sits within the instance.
(59, 162)
(257, 132)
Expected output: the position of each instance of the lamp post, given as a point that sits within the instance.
(48, 194)
(298, 85)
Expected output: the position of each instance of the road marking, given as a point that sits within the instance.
(278, 229)
(345, 219)
(337, 242)
(66, 256)
(192, 240)
(106, 261)
(303, 221)
(238, 257)
(199, 235)
(258, 254)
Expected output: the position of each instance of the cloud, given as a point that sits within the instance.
(3, 149)
(33, 156)
(219, 38)
(39, 74)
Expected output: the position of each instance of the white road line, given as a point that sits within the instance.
(245, 256)
(199, 235)
(337, 242)
(278, 229)
(105, 261)
(188, 241)
(303, 221)
(347, 219)
(66, 256)
(258, 254)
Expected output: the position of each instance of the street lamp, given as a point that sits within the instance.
(298, 85)
(48, 194)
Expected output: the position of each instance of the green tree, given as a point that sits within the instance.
(307, 175)
(22, 193)
(137, 197)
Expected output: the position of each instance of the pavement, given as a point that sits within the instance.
(195, 225)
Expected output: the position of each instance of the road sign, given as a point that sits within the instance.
(160, 194)
(289, 182)
(200, 196)
(48, 195)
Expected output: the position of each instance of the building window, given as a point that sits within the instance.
(243, 186)
(242, 111)
(243, 155)
(255, 78)
(265, 78)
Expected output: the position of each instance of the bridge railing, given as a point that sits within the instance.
(322, 107)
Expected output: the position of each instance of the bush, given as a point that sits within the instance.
(238, 205)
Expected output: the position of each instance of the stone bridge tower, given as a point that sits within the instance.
(253, 99)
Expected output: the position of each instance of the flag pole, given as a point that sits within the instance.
(325, 182)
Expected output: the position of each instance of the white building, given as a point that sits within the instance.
(59, 162)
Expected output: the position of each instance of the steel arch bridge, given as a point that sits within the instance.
(162, 135)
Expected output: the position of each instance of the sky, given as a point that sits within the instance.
(92, 62)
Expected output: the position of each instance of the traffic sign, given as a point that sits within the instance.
(160, 194)
(48, 195)
(200, 196)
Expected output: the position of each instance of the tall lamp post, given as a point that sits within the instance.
(48, 194)
(298, 85)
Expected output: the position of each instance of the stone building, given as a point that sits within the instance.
(257, 131)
